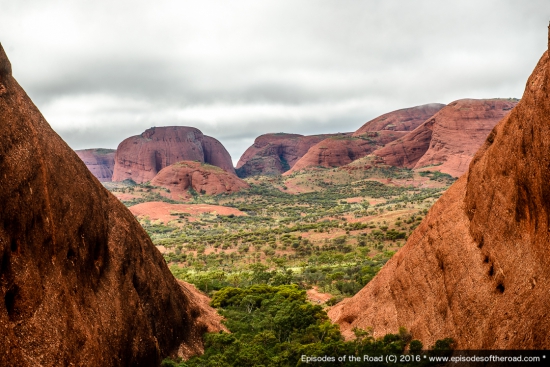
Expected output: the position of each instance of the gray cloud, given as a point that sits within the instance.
(102, 71)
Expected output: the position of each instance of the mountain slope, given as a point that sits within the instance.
(406, 119)
(338, 151)
(476, 268)
(81, 283)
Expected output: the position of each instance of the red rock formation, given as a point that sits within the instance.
(273, 154)
(206, 316)
(100, 162)
(406, 119)
(81, 283)
(448, 141)
(407, 151)
(203, 178)
(340, 150)
(216, 155)
(141, 157)
(477, 268)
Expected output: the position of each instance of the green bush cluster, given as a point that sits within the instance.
(275, 326)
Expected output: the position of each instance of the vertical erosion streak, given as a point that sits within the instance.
(43, 175)
(158, 161)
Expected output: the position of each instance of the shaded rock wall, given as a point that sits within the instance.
(80, 281)
(273, 154)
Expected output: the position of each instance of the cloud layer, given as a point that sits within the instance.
(101, 71)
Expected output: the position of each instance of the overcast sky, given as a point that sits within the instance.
(101, 71)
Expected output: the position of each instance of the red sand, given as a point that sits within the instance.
(158, 210)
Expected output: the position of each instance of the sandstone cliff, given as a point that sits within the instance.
(180, 177)
(449, 139)
(406, 119)
(477, 267)
(273, 154)
(100, 162)
(338, 151)
(81, 283)
(141, 157)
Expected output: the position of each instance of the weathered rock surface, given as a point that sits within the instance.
(459, 131)
(406, 119)
(273, 154)
(100, 162)
(338, 151)
(80, 280)
(407, 151)
(180, 177)
(141, 157)
(449, 139)
(206, 316)
(477, 267)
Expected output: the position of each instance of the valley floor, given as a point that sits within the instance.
(324, 231)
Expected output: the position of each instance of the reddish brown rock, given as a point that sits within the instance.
(205, 315)
(406, 119)
(449, 139)
(81, 283)
(407, 151)
(180, 177)
(477, 268)
(273, 154)
(338, 151)
(100, 162)
(141, 157)
(459, 131)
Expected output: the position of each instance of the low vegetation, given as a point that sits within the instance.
(277, 326)
(327, 230)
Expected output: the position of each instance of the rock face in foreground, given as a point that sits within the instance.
(406, 119)
(338, 151)
(100, 162)
(273, 154)
(448, 140)
(81, 283)
(477, 267)
(141, 157)
(180, 177)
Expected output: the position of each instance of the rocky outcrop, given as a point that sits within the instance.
(141, 157)
(206, 316)
(449, 139)
(180, 177)
(406, 119)
(477, 269)
(81, 283)
(273, 154)
(100, 162)
(338, 151)
(407, 151)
